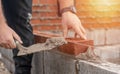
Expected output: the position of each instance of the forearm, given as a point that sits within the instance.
(2, 19)
(65, 3)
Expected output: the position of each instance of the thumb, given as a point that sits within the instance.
(15, 35)
(65, 30)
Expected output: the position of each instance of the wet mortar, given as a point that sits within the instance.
(48, 45)
(3, 69)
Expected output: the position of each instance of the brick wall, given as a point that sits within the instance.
(45, 15)
(101, 18)
(93, 14)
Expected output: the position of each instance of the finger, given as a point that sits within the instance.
(4, 45)
(76, 35)
(17, 37)
(79, 32)
(12, 44)
(82, 28)
(65, 31)
(83, 31)
(7, 46)
(1, 45)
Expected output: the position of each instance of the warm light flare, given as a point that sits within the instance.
(102, 2)
(105, 7)
(99, 13)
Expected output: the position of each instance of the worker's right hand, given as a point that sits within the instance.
(7, 36)
(71, 21)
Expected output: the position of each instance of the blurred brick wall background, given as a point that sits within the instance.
(93, 14)
(101, 18)
(99, 13)
(45, 15)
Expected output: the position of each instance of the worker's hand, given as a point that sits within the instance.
(7, 36)
(71, 21)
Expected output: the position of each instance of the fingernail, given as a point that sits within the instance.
(85, 38)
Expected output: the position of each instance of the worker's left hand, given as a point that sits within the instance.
(71, 21)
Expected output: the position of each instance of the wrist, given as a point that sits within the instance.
(3, 24)
(71, 9)
(68, 13)
(3, 20)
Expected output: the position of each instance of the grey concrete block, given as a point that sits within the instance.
(113, 36)
(108, 51)
(7, 53)
(58, 64)
(37, 63)
(55, 63)
(7, 59)
(98, 35)
(9, 64)
(92, 68)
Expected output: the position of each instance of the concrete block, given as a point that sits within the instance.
(106, 52)
(110, 53)
(38, 63)
(113, 36)
(7, 59)
(6, 52)
(58, 64)
(55, 63)
(98, 35)
(93, 68)
(9, 64)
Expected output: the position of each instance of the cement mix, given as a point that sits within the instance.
(50, 44)
(3, 69)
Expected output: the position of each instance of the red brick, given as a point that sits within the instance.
(53, 7)
(35, 14)
(42, 7)
(48, 14)
(36, 8)
(35, 21)
(38, 21)
(35, 1)
(48, 1)
(41, 37)
(73, 47)
(47, 28)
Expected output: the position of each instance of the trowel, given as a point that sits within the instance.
(50, 44)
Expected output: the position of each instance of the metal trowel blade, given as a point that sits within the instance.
(48, 45)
